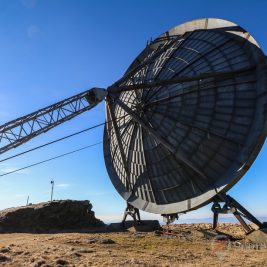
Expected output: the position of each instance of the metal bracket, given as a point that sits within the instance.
(133, 212)
(170, 218)
(232, 206)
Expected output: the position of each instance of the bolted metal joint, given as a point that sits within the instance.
(96, 95)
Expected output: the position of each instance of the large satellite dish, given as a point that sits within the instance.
(183, 124)
(188, 118)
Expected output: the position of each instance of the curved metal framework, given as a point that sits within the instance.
(196, 98)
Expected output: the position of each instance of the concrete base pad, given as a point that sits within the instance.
(258, 236)
(146, 226)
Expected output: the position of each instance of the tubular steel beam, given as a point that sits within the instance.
(222, 74)
(243, 223)
(145, 126)
(19, 131)
(232, 206)
(153, 132)
(247, 214)
(193, 89)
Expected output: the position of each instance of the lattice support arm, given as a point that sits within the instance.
(20, 130)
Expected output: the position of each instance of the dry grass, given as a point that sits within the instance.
(188, 248)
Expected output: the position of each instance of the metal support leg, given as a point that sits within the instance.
(215, 220)
(216, 208)
(247, 214)
(246, 227)
(133, 212)
(232, 206)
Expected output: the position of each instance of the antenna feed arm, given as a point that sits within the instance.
(21, 130)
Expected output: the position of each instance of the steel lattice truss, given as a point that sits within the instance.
(18, 131)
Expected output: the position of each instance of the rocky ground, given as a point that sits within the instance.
(188, 245)
(52, 216)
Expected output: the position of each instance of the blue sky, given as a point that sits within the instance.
(52, 49)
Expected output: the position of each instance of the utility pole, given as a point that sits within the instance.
(52, 190)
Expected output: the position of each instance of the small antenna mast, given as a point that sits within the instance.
(52, 189)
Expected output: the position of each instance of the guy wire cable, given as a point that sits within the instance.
(53, 158)
(60, 139)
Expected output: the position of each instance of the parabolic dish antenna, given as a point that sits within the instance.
(183, 125)
(188, 118)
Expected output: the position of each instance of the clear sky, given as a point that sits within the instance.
(53, 49)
